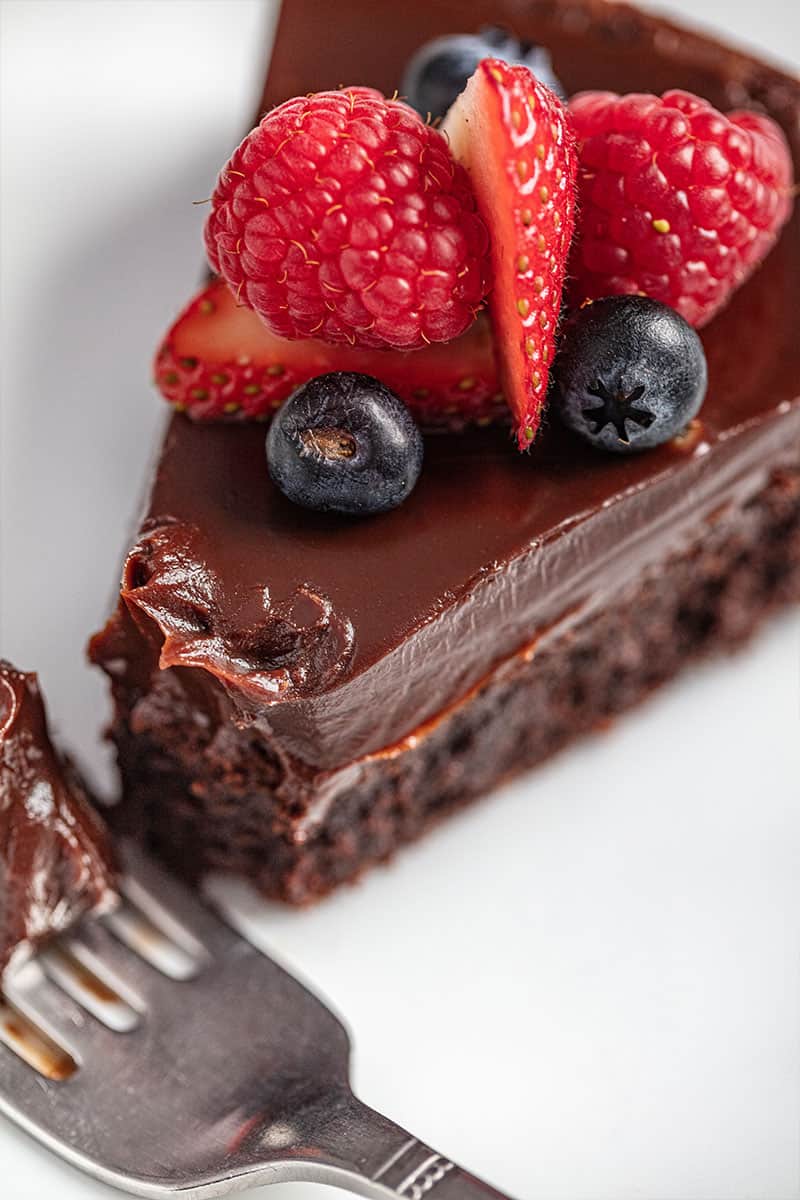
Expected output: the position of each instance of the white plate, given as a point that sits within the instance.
(587, 987)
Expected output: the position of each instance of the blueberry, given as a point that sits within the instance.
(629, 374)
(438, 71)
(344, 443)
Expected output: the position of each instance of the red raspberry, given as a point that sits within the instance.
(677, 201)
(343, 216)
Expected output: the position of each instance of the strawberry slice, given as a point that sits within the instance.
(219, 362)
(513, 136)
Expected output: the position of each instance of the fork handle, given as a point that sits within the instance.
(352, 1146)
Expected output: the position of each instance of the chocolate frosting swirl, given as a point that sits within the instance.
(268, 650)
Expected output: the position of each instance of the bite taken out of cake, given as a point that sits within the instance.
(56, 859)
(594, 305)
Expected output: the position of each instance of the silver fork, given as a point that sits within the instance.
(171, 1057)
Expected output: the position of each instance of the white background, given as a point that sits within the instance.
(590, 986)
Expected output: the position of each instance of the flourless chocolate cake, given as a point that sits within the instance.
(297, 694)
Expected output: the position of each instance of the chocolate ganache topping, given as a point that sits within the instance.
(56, 861)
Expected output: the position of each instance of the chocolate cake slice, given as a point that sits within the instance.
(56, 862)
(296, 694)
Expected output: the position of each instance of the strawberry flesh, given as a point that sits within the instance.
(513, 136)
(219, 362)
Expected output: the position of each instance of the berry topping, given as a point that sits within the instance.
(219, 362)
(676, 201)
(343, 216)
(630, 373)
(439, 70)
(344, 443)
(513, 136)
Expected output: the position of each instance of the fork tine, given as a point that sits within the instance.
(22, 1046)
(179, 956)
(81, 975)
(49, 1008)
(161, 895)
(133, 971)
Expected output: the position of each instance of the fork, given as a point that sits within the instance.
(162, 1053)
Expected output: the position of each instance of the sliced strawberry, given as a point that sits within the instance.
(513, 136)
(219, 362)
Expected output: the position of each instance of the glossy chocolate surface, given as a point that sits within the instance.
(344, 636)
(55, 858)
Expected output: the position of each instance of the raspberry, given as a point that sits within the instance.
(343, 216)
(677, 201)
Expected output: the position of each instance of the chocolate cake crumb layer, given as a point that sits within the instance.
(297, 694)
(56, 861)
(208, 796)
